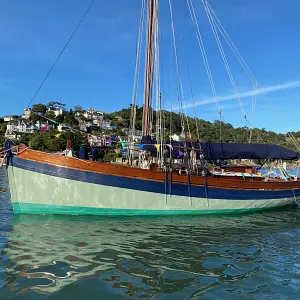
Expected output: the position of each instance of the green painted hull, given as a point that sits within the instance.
(30, 208)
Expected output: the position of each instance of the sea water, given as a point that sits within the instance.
(249, 256)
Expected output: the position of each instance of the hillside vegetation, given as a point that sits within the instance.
(208, 131)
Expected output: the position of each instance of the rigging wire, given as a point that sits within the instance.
(163, 86)
(184, 100)
(178, 95)
(171, 92)
(235, 90)
(249, 73)
(191, 88)
(177, 71)
(61, 52)
(137, 68)
(253, 111)
(203, 53)
(159, 112)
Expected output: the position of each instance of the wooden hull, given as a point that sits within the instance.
(47, 183)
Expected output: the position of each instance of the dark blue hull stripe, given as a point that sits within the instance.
(147, 185)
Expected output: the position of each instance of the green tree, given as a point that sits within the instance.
(50, 115)
(39, 108)
(59, 119)
(70, 120)
(78, 108)
(37, 143)
(2, 139)
(25, 138)
(110, 157)
(53, 142)
(3, 127)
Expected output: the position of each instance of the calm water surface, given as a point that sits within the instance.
(254, 256)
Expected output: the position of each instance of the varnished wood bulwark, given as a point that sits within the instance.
(153, 175)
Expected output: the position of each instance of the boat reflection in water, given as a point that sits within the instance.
(142, 257)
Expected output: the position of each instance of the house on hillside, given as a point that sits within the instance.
(12, 135)
(96, 140)
(15, 128)
(57, 110)
(82, 125)
(125, 130)
(93, 114)
(62, 127)
(44, 126)
(11, 118)
(123, 138)
(97, 122)
(176, 137)
(27, 113)
(106, 125)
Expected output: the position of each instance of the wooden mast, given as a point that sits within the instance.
(148, 77)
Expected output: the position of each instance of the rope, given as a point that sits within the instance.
(220, 128)
(171, 181)
(296, 178)
(189, 186)
(235, 90)
(184, 100)
(137, 68)
(203, 53)
(177, 69)
(249, 73)
(159, 133)
(166, 184)
(191, 88)
(13, 148)
(253, 111)
(61, 53)
(171, 96)
(205, 189)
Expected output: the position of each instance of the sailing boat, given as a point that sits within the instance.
(42, 183)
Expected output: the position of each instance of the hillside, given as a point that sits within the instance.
(208, 131)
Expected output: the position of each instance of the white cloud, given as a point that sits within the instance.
(269, 89)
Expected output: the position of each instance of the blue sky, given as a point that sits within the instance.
(97, 68)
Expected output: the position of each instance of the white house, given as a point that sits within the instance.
(11, 118)
(175, 137)
(13, 128)
(96, 140)
(12, 135)
(27, 113)
(62, 127)
(106, 125)
(57, 110)
(20, 126)
(93, 114)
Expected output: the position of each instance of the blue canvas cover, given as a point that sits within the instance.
(224, 151)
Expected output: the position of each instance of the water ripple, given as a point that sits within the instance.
(253, 256)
